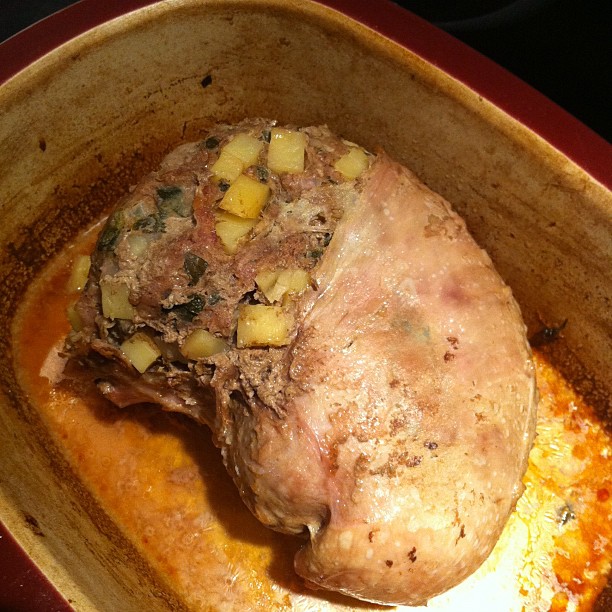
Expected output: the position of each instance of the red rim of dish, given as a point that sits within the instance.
(563, 131)
(24, 586)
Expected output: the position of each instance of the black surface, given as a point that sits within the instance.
(563, 48)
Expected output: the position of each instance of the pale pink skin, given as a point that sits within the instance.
(411, 404)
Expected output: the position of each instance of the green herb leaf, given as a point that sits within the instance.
(171, 201)
(194, 267)
(150, 224)
(169, 192)
(212, 142)
(189, 310)
(262, 174)
(110, 234)
(315, 253)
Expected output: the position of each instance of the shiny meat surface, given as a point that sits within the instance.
(393, 423)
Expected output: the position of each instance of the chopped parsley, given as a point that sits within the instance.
(171, 201)
(189, 310)
(110, 234)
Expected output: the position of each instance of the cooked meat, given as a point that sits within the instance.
(372, 381)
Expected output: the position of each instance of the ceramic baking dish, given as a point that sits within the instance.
(92, 97)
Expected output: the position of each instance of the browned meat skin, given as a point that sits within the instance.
(396, 425)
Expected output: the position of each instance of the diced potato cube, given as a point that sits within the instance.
(201, 343)
(352, 163)
(278, 283)
(74, 318)
(266, 279)
(293, 280)
(228, 167)
(140, 350)
(260, 325)
(79, 273)
(245, 198)
(275, 293)
(138, 243)
(286, 151)
(245, 147)
(115, 300)
(231, 229)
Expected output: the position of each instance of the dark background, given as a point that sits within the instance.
(563, 48)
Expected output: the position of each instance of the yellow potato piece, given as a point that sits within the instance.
(201, 343)
(139, 244)
(276, 284)
(231, 229)
(352, 163)
(293, 280)
(246, 197)
(79, 273)
(74, 318)
(245, 147)
(228, 167)
(115, 300)
(260, 325)
(266, 279)
(286, 151)
(140, 350)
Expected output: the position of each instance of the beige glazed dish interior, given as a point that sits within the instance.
(85, 122)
